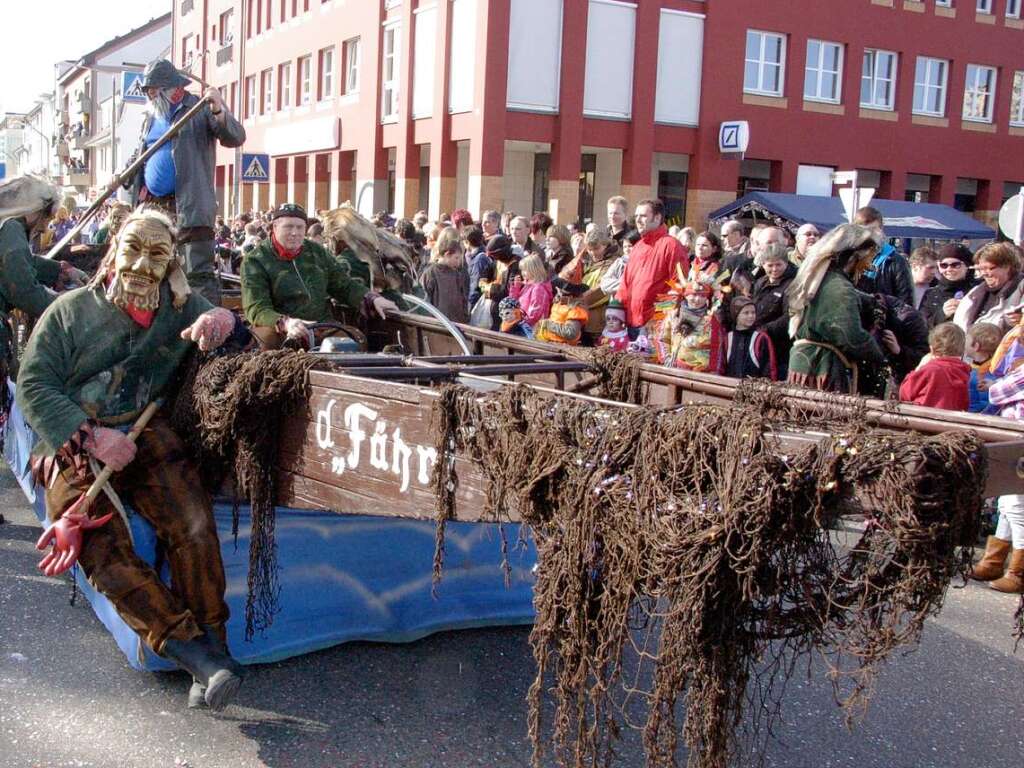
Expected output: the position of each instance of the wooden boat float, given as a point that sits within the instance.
(326, 455)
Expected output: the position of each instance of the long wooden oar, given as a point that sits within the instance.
(131, 169)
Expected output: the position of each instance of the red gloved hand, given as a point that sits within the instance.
(210, 329)
(112, 447)
(66, 536)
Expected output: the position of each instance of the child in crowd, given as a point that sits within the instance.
(510, 317)
(943, 381)
(444, 280)
(748, 351)
(694, 331)
(982, 341)
(614, 334)
(532, 289)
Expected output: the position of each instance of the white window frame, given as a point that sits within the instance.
(975, 73)
(930, 64)
(944, 3)
(819, 69)
(875, 78)
(389, 87)
(267, 97)
(758, 90)
(305, 80)
(284, 84)
(1013, 9)
(1017, 99)
(350, 46)
(984, 6)
(250, 96)
(326, 57)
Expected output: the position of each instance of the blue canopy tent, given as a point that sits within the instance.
(902, 219)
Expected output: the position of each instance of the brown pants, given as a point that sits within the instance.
(162, 485)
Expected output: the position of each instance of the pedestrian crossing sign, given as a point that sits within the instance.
(256, 168)
(131, 88)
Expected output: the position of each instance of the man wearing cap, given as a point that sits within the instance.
(288, 280)
(179, 177)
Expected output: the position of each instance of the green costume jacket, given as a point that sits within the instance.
(299, 288)
(87, 358)
(833, 318)
(22, 276)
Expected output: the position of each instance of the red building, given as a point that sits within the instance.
(558, 104)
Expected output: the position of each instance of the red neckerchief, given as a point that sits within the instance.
(143, 317)
(282, 253)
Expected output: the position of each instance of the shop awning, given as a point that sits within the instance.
(902, 219)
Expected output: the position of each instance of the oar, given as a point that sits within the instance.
(131, 169)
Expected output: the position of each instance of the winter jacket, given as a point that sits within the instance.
(23, 277)
(978, 397)
(773, 314)
(194, 151)
(534, 298)
(446, 289)
(972, 309)
(911, 333)
(889, 274)
(558, 260)
(652, 263)
(939, 294)
(748, 354)
(940, 383)
(481, 267)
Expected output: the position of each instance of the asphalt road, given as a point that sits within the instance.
(67, 698)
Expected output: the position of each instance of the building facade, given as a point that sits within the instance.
(556, 105)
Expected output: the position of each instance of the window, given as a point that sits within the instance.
(978, 92)
(305, 82)
(326, 90)
(226, 25)
(878, 80)
(284, 85)
(389, 73)
(1013, 9)
(250, 96)
(267, 89)
(944, 3)
(1017, 100)
(930, 86)
(984, 6)
(765, 63)
(823, 76)
(350, 52)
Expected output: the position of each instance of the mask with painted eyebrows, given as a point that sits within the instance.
(145, 250)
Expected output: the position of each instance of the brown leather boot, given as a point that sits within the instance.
(993, 562)
(1013, 581)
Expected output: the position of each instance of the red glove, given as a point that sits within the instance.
(112, 447)
(210, 329)
(66, 536)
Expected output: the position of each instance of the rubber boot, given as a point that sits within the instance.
(218, 672)
(197, 693)
(993, 562)
(1013, 580)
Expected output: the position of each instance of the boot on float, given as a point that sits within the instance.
(1012, 581)
(993, 563)
(217, 674)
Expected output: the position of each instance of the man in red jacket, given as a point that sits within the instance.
(652, 263)
(942, 381)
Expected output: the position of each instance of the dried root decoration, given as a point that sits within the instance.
(229, 411)
(618, 373)
(693, 545)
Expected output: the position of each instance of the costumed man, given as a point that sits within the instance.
(288, 280)
(27, 204)
(97, 357)
(179, 177)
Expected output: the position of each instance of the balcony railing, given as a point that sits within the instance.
(78, 177)
(187, 6)
(225, 54)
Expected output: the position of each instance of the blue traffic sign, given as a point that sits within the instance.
(131, 88)
(256, 168)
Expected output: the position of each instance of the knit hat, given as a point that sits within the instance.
(289, 211)
(500, 248)
(162, 74)
(737, 305)
(615, 309)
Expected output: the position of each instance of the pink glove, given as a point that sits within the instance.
(111, 447)
(296, 329)
(210, 329)
(66, 536)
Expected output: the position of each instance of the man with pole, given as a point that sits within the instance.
(179, 176)
(95, 364)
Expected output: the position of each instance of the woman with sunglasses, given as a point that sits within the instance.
(998, 298)
(953, 280)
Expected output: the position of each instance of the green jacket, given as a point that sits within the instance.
(299, 288)
(833, 317)
(22, 275)
(87, 359)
